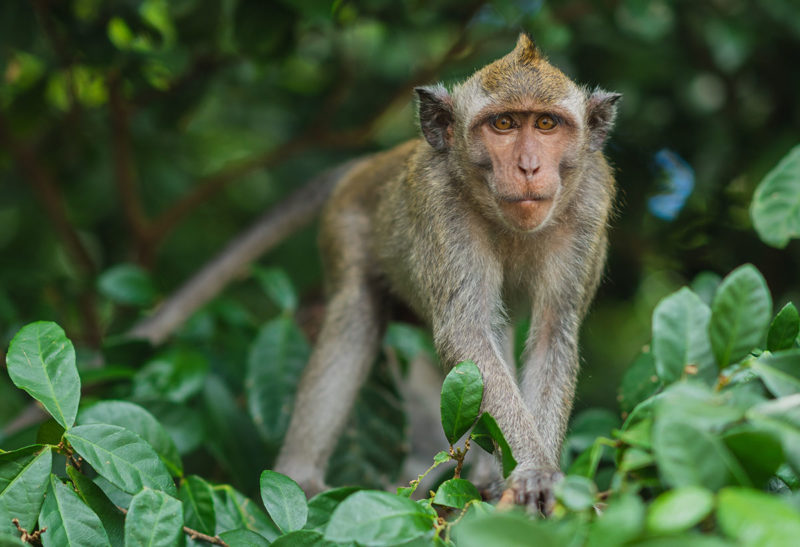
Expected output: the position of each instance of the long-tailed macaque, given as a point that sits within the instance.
(501, 209)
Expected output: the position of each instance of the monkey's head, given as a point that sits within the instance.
(519, 133)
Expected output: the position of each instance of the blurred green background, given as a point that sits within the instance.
(138, 137)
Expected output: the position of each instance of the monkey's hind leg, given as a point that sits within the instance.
(339, 365)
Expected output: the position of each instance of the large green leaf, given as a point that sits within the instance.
(784, 329)
(775, 209)
(41, 360)
(740, 314)
(285, 501)
(274, 364)
(122, 457)
(154, 520)
(780, 372)
(680, 509)
(754, 518)
(140, 421)
(503, 530)
(462, 392)
(456, 493)
(112, 518)
(198, 505)
(23, 481)
(378, 518)
(486, 434)
(173, 376)
(622, 521)
(245, 538)
(69, 522)
(576, 493)
(680, 337)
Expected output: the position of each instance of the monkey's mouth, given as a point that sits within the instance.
(526, 198)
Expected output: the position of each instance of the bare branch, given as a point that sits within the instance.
(272, 228)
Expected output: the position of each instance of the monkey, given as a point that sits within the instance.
(501, 209)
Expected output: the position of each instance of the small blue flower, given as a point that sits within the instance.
(676, 180)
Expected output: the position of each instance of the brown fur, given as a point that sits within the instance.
(427, 222)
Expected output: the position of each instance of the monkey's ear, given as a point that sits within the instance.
(436, 115)
(601, 113)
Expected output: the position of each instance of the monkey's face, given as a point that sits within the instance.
(523, 154)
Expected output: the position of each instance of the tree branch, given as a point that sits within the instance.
(272, 228)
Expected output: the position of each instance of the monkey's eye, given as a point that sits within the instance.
(503, 122)
(545, 122)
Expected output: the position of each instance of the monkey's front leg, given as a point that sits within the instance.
(339, 364)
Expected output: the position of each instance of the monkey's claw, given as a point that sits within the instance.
(533, 488)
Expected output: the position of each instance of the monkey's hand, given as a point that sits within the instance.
(532, 487)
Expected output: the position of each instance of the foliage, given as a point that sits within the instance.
(138, 137)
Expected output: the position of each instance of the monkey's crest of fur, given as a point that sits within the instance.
(524, 72)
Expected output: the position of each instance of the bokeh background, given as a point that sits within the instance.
(138, 137)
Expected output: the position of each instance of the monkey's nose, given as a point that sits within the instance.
(528, 168)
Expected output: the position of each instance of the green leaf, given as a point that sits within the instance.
(23, 480)
(135, 418)
(456, 493)
(503, 530)
(285, 501)
(154, 520)
(680, 337)
(378, 518)
(274, 364)
(198, 505)
(321, 506)
(739, 315)
(41, 360)
(234, 511)
(621, 522)
(486, 433)
(112, 518)
(639, 382)
(122, 457)
(174, 376)
(278, 287)
(303, 538)
(780, 417)
(780, 372)
(705, 285)
(784, 329)
(759, 452)
(576, 493)
(688, 456)
(68, 520)
(462, 392)
(242, 537)
(775, 209)
(678, 510)
(127, 284)
(755, 518)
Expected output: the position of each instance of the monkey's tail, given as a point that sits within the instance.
(274, 226)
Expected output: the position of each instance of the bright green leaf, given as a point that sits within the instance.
(620, 522)
(140, 421)
(244, 538)
(503, 530)
(122, 457)
(680, 338)
(23, 480)
(678, 510)
(784, 329)
(41, 360)
(154, 520)
(198, 505)
(487, 433)
(739, 315)
(780, 372)
(378, 518)
(754, 518)
(68, 520)
(284, 500)
(456, 493)
(112, 518)
(235, 511)
(775, 209)
(462, 392)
